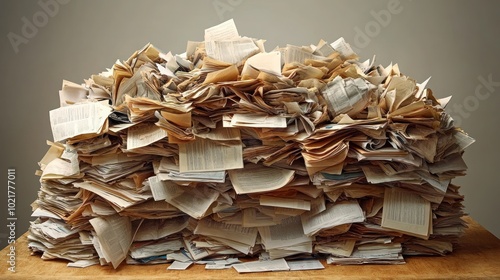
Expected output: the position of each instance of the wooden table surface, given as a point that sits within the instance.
(476, 256)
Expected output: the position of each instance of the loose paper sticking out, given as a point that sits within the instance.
(285, 235)
(144, 134)
(256, 178)
(340, 213)
(82, 263)
(285, 202)
(114, 236)
(261, 266)
(341, 46)
(72, 93)
(222, 264)
(266, 62)
(305, 265)
(407, 212)
(176, 265)
(224, 31)
(257, 120)
(208, 155)
(78, 119)
(232, 51)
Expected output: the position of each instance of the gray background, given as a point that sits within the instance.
(455, 42)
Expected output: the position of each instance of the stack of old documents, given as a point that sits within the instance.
(228, 150)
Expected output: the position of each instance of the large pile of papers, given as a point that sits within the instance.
(228, 151)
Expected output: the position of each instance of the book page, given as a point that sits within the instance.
(55, 229)
(231, 51)
(288, 233)
(69, 121)
(255, 218)
(344, 96)
(255, 178)
(341, 46)
(236, 245)
(261, 266)
(205, 176)
(115, 237)
(72, 93)
(463, 140)
(297, 54)
(159, 228)
(405, 89)
(144, 134)
(101, 208)
(227, 74)
(324, 49)
(344, 212)
(453, 162)
(181, 119)
(119, 127)
(193, 201)
(120, 198)
(376, 175)
(305, 265)
(195, 252)
(292, 203)
(257, 120)
(179, 256)
(342, 248)
(118, 158)
(177, 265)
(155, 248)
(407, 212)
(221, 134)
(237, 233)
(207, 155)
(82, 263)
(224, 31)
(267, 62)
(59, 168)
(222, 264)
(158, 188)
(168, 170)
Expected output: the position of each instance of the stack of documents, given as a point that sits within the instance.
(229, 150)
